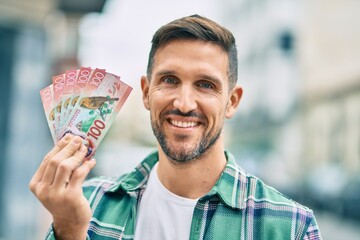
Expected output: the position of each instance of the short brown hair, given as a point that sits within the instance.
(199, 28)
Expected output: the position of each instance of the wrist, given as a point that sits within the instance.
(69, 231)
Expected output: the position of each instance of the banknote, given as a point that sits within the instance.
(83, 102)
(94, 80)
(68, 94)
(69, 83)
(97, 107)
(58, 88)
(82, 76)
(48, 104)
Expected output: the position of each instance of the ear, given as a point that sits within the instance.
(145, 90)
(234, 100)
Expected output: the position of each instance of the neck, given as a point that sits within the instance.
(195, 178)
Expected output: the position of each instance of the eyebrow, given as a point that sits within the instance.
(165, 72)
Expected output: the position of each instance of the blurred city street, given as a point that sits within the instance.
(335, 228)
(298, 123)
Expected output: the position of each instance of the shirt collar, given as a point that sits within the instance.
(230, 187)
(136, 179)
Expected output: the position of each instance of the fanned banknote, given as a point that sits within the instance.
(47, 98)
(83, 102)
(58, 88)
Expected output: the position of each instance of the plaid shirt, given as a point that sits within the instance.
(239, 206)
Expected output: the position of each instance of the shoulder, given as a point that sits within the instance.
(275, 208)
(259, 191)
(100, 184)
(268, 197)
(250, 189)
(266, 208)
(130, 183)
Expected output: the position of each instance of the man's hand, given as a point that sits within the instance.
(58, 185)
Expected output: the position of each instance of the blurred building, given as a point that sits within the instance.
(299, 64)
(330, 67)
(330, 64)
(37, 39)
(265, 133)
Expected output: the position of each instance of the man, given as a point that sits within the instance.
(190, 188)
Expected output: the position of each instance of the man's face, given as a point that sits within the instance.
(188, 97)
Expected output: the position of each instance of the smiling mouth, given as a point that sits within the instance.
(182, 124)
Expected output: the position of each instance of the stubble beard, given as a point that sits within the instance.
(184, 155)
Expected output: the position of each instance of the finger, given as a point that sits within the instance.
(61, 144)
(63, 154)
(40, 171)
(79, 175)
(67, 167)
(72, 146)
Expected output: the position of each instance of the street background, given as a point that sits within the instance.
(297, 128)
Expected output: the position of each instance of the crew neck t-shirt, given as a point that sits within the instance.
(163, 214)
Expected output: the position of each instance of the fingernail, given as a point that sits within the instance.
(66, 137)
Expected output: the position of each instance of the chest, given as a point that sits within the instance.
(119, 217)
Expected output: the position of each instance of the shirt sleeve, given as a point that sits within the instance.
(51, 234)
(313, 232)
(90, 188)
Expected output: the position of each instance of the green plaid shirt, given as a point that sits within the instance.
(239, 206)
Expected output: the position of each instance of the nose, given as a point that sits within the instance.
(185, 99)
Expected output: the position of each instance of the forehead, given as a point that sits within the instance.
(191, 56)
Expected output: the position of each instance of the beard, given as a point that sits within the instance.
(184, 154)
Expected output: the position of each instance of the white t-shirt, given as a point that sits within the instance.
(162, 214)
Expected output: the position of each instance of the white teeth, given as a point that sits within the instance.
(183, 124)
